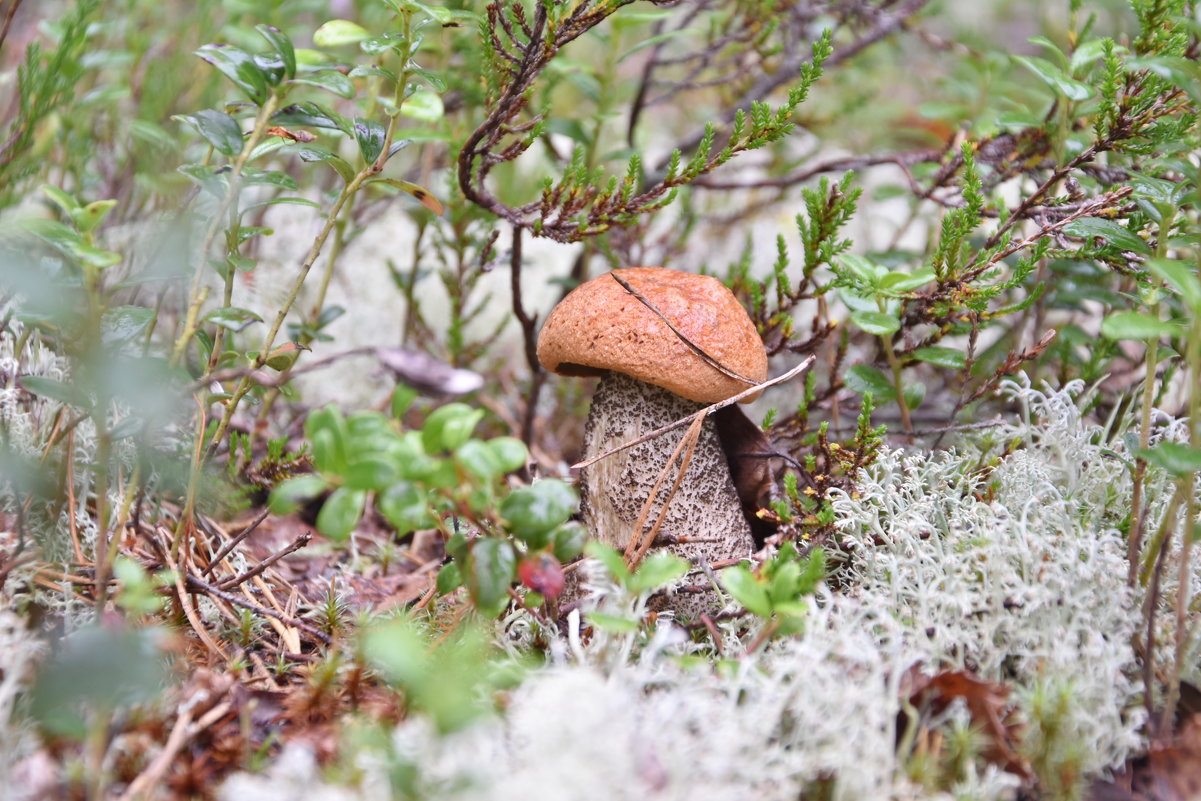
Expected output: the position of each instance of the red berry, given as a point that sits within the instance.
(542, 573)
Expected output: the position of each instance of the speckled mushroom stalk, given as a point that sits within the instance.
(650, 377)
(704, 513)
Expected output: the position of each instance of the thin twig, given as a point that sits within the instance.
(529, 328)
(692, 346)
(8, 20)
(233, 543)
(683, 421)
(190, 613)
(279, 379)
(200, 584)
(301, 541)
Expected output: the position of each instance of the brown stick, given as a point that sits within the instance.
(200, 584)
(233, 543)
(683, 421)
(8, 20)
(298, 543)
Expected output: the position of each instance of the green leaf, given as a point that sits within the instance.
(863, 378)
(608, 556)
(867, 272)
(405, 507)
(402, 398)
(216, 127)
(878, 323)
(941, 356)
(746, 589)
(435, 80)
(449, 426)
(88, 218)
(329, 80)
(914, 395)
(1088, 52)
(283, 46)
(568, 540)
(286, 497)
(510, 452)
(450, 578)
(94, 256)
(276, 178)
(478, 460)
(122, 324)
(422, 194)
(312, 115)
(283, 357)
(490, 566)
(1182, 277)
(67, 204)
(370, 135)
(239, 67)
(612, 623)
(1136, 325)
(1174, 457)
(101, 670)
(367, 70)
(533, 512)
(424, 105)
(898, 283)
(1119, 236)
(55, 390)
(1056, 78)
(371, 472)
(339, 32)
(656, 571)
(326, 430)
(233, 318)
(310, 152)
(340, 513)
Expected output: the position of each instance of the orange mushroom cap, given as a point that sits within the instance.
(601, 326)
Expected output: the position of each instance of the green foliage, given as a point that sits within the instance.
(776, 591)
(439, 476)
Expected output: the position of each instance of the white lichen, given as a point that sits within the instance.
(1018, 574)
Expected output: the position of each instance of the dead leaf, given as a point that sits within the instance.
(1170, 771)
(986, 702)
(428, 375)
(295, 136)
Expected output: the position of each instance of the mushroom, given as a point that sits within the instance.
(651, 377)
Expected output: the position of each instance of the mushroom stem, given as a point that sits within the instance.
(704, 514)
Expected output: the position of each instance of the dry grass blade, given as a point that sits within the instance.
(687, 445)
(683, 421)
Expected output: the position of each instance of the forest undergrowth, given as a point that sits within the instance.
(970, 246)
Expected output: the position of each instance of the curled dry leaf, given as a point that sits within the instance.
(986, 702)
(295, 136)
(1170, 771)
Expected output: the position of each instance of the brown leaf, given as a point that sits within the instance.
(427, 374)
(986, 702)
(1170, 771)
(295, 136)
